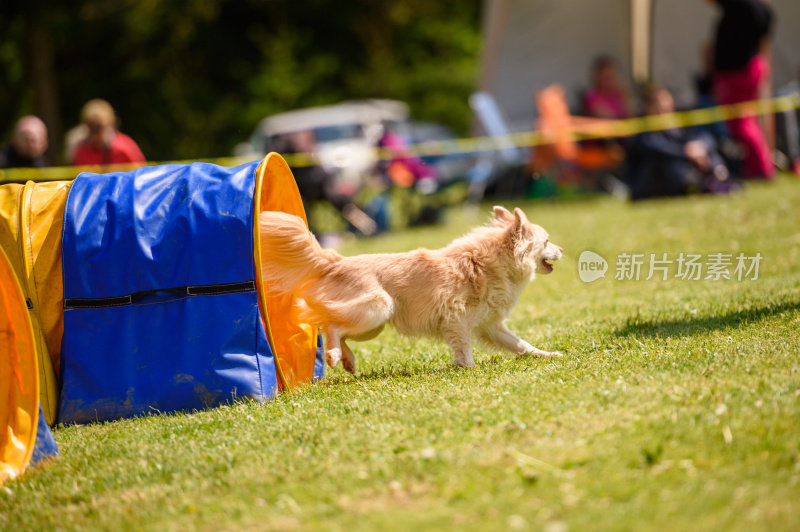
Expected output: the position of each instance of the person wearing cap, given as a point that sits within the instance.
(104, 144)
(27, 146)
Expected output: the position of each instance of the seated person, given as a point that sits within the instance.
(104, 144)
(401, 167)
(607, 97)
(559, 152)
(27, 145)
(673, 162)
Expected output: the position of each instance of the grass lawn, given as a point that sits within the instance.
(676, 405)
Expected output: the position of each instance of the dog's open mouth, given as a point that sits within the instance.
(546, 266)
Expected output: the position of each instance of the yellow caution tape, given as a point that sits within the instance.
(594, 130)
(597, 128)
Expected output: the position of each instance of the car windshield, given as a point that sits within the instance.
(338, 132)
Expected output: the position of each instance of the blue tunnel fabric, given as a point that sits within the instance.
(319, 360)
(45, 446)
(150, 233)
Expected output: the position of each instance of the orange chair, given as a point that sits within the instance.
(560, 153)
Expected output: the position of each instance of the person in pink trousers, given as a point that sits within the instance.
(740, 72)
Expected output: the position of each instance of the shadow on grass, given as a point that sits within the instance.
(691, 326)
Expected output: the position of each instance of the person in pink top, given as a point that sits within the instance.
(741, 71)
(103, 144)
(607, 98)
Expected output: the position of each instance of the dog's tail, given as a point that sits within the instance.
(290, 255)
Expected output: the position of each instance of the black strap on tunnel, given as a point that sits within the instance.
(136, 297)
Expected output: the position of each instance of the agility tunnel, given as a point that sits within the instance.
(144, 292)
(25, 437)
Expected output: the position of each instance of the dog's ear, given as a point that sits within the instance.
(501, 214)
(520, 221)
(519, 217)
(521, 234)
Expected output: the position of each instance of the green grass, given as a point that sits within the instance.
(676, 406)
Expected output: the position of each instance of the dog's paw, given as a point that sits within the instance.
(463, 362)
(349, 364)
(543, 354)
(333, 356)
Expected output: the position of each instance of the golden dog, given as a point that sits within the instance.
(468, 287)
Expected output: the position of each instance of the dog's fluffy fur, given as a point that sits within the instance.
(467, 287)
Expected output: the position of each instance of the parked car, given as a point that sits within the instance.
(343, 141)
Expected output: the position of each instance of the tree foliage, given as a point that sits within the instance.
(191, 79)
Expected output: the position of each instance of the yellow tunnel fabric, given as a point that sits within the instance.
(293, 343)
(19, 386)
(31, 217)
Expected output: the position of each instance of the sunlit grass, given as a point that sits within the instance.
(676, 406)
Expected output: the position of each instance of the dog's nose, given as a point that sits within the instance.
(561, 250)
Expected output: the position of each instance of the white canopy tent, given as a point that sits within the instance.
(530, 44)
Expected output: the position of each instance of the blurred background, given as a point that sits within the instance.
(192, 79)
(380, 95)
